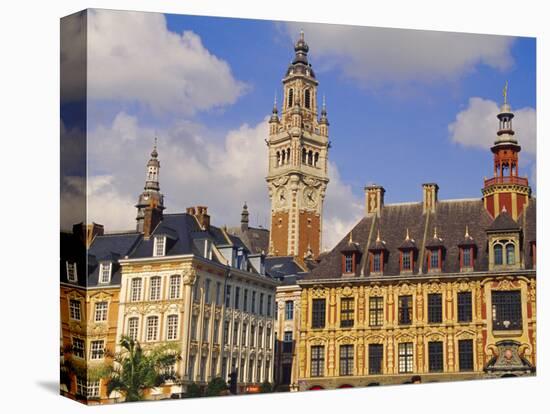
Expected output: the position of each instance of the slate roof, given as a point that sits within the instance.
(451, 218)
(255, 238)
(284, 268)
(111, 248)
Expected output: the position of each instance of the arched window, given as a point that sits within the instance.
(307, 98)
(304, 155)
(283, 157)
(278, 158)
(290, 97)
(288, 155)
(310, 157)
(498, 254)
(510, 253)
(316, 159)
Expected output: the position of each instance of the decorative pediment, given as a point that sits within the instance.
(375, 339)
(505, 284)
(508, 359)
(466, 334)
(434, 287)
(319, 292)
(346, 339)
(101, 296)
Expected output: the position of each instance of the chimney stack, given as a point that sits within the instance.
(152, 216)
(429, 197)
(201, 214)
(87, 233)
(374, 199)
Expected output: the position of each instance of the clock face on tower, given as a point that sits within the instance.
(310, 196)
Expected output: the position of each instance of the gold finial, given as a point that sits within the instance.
(407, 236)
(505, 93)
(301, 35)
(435, 232)
(351, 237)
(467, 235)
(378, 236)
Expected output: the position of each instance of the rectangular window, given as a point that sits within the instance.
(346, 359)
(203, 369)
(97, 349)
(214, 367)
(287, 342)
(289, 310)
(406, 262)
(465, 355)
(226, 332)
(261, 336)
(253, 306)
(205, 329)
(133, 326)
(241, 371)
(224, 368)
(243, 334)
(506, 310)
(175, 286)
(105, 273)
(207, 291)
(435, 308)
(377, 262)
(74, 309)
(317, 361)
(259, 371)
(268, 337)
(376, 311)
(101, 311)
(172, 327)
(467, 257)
(318, 313)
(348, 263)
(434, 259)
(194, 321)
(216, 334)
(405, 310)
(245, 300)
(464, 306)
(261, 310)
(197, 290)
(152, 328)
(435, 356)
(405, 357)
(218, 293)
(191, 367)
(88, 389)
(252, 336)
(135, 290)
(237, 297)
(269, 305)
(228, 296)
(71, 272)
(154, 288)
(375, 358)
(235, 332)
(347, 312)
(160, 242)
(250, 369)
(78, 347)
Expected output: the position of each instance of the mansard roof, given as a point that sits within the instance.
(451, 218)
(255, 238)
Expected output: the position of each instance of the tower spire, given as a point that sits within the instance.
(150, 201)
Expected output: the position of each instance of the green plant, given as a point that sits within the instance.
(193, 391)
(136, 369)
(266, 387)
(215, 387)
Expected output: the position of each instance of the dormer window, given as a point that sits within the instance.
(208, 249)
(105, 272)
(434, 260)
(504, 253)
(467, 252)
(377, 254)
(71, 272)
(350, 256)
(407, 261)
(377, 262)
(160, 246)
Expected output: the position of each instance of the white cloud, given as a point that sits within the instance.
(476, 126)
(196, 169)
(376, 56)
(133, 57)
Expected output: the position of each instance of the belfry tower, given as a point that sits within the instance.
(506, 190)
(151, 201)
(297, 177)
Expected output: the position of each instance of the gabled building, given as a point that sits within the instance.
(427, 291)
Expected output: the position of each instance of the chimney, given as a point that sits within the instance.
(374, 199)
(152, 216)
(429, 197)
(244, 218)
(201, 214)
(87, 233)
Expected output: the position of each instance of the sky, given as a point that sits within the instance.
(405, 107)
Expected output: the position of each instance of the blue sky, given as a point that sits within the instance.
(405, 107)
